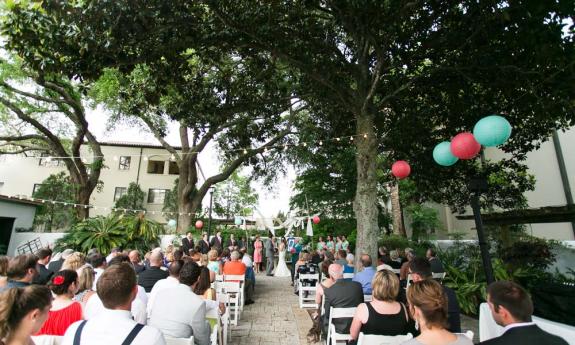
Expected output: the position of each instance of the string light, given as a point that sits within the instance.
(304, 144)
(351, 138)
(245, 152)
(320, 143)
(365, 136)
(338, 139)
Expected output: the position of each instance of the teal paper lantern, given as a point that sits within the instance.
(238, 221)
(492, 130)
(442, 154)
(172, 223)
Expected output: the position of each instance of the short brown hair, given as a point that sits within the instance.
(19, 266)
(512, 297)
(115, 285)
(428, 296)
(3, 265)
(385, 286)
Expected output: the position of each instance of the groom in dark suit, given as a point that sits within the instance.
(188, 243)
(511, 308)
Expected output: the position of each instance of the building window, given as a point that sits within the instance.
(156, 196)
(36, 187)
(47, 161)
(174, 170)
(119, 192)
(125, 163)
(155, 167)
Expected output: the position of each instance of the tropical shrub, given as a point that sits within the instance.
(105, 233)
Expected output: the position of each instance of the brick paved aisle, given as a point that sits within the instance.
(274, 318)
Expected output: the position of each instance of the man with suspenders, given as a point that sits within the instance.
(117, 289)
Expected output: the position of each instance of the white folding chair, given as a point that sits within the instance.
(372, 339)
(309, 300)
(367, 298)
(338, 313)
(214, 335)
(223, 320)
(232, 290)
(396, 271)
(241, 278)
(409, 278)
(438, 276)
(468, 334)
(219, 278)
(179, 341)
(348, 275)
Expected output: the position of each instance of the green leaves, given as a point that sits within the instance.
(105, 233)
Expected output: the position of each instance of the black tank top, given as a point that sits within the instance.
(385, 324)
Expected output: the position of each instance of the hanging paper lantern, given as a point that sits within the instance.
(442, 154)
(315, 219)
(400, 169)
(199, 224)
(492, 130)
(172, 223)
(238, 221)
(464, 146)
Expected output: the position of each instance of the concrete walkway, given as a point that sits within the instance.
(274, 318)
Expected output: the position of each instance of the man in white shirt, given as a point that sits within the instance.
(116, 289)
(178, 312)
(172, 280)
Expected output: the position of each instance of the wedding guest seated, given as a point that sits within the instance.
(326, 284)
(342, 294)
(56, 264)
(382, 266)
(74, 261)
(150, 276)
(21, 271)
(116, 290)
(44, 274)
(383, 315)
(420, 269)
(436, 265)
(213, 263)
(304, 266)
(236, 267)
(395, 261)
(247, 260)
(136, 261)
(172, 280)
(366, 275)
(98, 262)
(317, 257)
(64, 311)
(404, 271)
(85, 282)
(428, 307)
(383, 255)
(511, 307)
(3, 271)
(340, 258)
(23, 311)
(204, 290)
(178, 312)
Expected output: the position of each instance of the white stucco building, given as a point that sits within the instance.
(149, 165)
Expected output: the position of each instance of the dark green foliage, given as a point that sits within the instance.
(133, 199)
(530, 253)
(105, 233)
(58, 187)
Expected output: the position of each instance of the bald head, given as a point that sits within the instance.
(335, 271)
(134, 256)
(156, 259)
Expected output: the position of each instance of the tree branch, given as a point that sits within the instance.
(30, 95)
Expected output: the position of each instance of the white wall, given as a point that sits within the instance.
(542, 163)
(19, 174)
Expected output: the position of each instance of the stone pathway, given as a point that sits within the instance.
(274, 318)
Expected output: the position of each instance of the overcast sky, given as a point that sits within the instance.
(269, 202)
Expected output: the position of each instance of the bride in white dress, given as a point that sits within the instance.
(282, 270)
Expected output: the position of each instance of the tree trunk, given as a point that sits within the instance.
(365, 203)
(398, 227)
(185, 216)
(83, 198)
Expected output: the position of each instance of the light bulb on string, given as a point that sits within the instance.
(172, 157)
(320, 143)
(49, 159)
(285, 147)
(338, 139)
(145, 158)
(304, 144)
(351, 138)
(365, 136)
(245, 152)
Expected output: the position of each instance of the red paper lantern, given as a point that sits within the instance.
(199, 224)
(400, 169)
(464, 146)
(315, 219)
